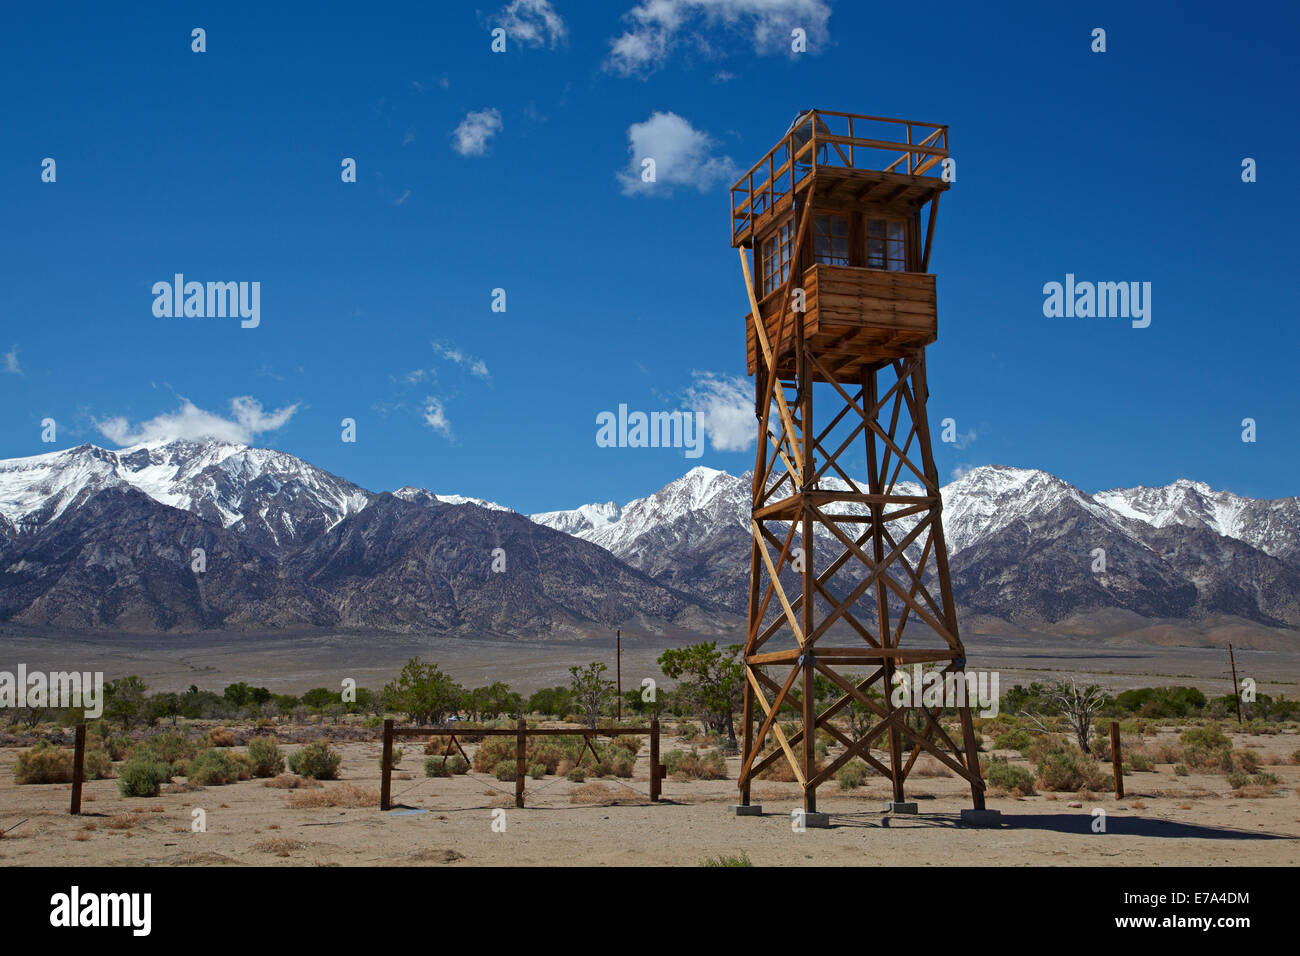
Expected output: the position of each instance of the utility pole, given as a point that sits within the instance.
(619, 670)
(1236, 689)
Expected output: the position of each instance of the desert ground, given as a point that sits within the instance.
(1164, 819)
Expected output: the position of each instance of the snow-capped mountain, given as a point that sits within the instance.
(1020, 543)
(424, 496)
(92, 539)
(99, 539)
(266, 495)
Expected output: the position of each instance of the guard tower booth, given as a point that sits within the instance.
(849, 579)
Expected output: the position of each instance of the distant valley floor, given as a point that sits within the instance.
(296, 663)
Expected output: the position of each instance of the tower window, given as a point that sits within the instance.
(831, 239)
(776, 257)
(886, 245)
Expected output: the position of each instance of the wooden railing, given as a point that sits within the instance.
(521, 732)
(842, 140)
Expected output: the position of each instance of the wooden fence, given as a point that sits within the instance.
(521, 732)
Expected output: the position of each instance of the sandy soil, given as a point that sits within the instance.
(1164, 820)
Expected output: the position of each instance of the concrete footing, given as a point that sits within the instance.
(981, 818)
(748, 809)
(900, 808)
(816, 821)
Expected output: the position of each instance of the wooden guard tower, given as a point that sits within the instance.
(848, 580)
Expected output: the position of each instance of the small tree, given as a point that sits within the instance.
(125, 701)
(1078, 704)
(424, 692)
(591, 692)
(712, 681)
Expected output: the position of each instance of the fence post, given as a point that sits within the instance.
(654, 759)
(386, 775)
(521, 760)
(1117, 761)
(78, 769)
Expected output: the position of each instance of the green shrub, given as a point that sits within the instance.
(1206, 748)
(576, 775)
(1139, 762)
(458, 764)
(852, 774)
(265, 756)
(436, 767)
(97, 765)
(1001, 773)
(1236, 779)
(316, 760)
(143, 777)
(1015, 739)
(1069, 770)
(43, 763)
(1180, 769)
(169, 748)
(537, 771)
(397, 755)
(694, 765)
(218, 767)
(504, 770)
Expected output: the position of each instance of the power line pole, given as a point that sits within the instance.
(1236, 689)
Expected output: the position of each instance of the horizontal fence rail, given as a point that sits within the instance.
(521, 732)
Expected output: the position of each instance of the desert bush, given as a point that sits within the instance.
(265, 756)
(97, 765)
(852, 774)
(142, 777)
(576, 775)
(1069, 769)
(1015, 739)
(1180, 769)
(491, 752)
(287, 781)
(1236, 779)
(1247, 760)
(629, 742)
(537, 771)
(722, 859)
(505, 770)
(342, 795)
(43, 763)
(221, 737)
(436, 767)
(1004, 775)
(218, 767)
(1206, 748)
(1139, 762)
(316, 760)
(440, 745)
(694, 765)
(458, 764)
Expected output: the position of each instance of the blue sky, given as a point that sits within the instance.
(376, 295)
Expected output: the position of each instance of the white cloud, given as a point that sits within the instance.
(681, 153)
(11, 362)
(532, 23)
(247, 420)
(476, 366)
(725, 407)
(656, 27)
(474, 134)
(435, 417)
